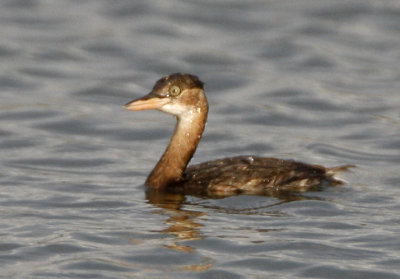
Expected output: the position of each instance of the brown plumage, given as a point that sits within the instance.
(182, 95)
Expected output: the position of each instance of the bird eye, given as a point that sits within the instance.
(174, 90)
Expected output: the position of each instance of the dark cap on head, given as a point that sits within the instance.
(184, 81)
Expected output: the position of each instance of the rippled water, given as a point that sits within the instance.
(317, 81)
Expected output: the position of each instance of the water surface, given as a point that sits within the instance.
(316, 81)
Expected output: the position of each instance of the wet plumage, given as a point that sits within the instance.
(183, 96)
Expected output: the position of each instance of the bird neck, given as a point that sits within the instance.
(183, 144)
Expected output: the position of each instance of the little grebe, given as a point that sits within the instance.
(182, 95)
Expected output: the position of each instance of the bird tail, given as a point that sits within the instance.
(334, 170)
(331, 172)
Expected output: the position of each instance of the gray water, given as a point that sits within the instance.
(316, 81)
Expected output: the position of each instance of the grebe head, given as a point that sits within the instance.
(176, 94)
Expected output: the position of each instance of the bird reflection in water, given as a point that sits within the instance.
(185, 225)
(181, 223)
